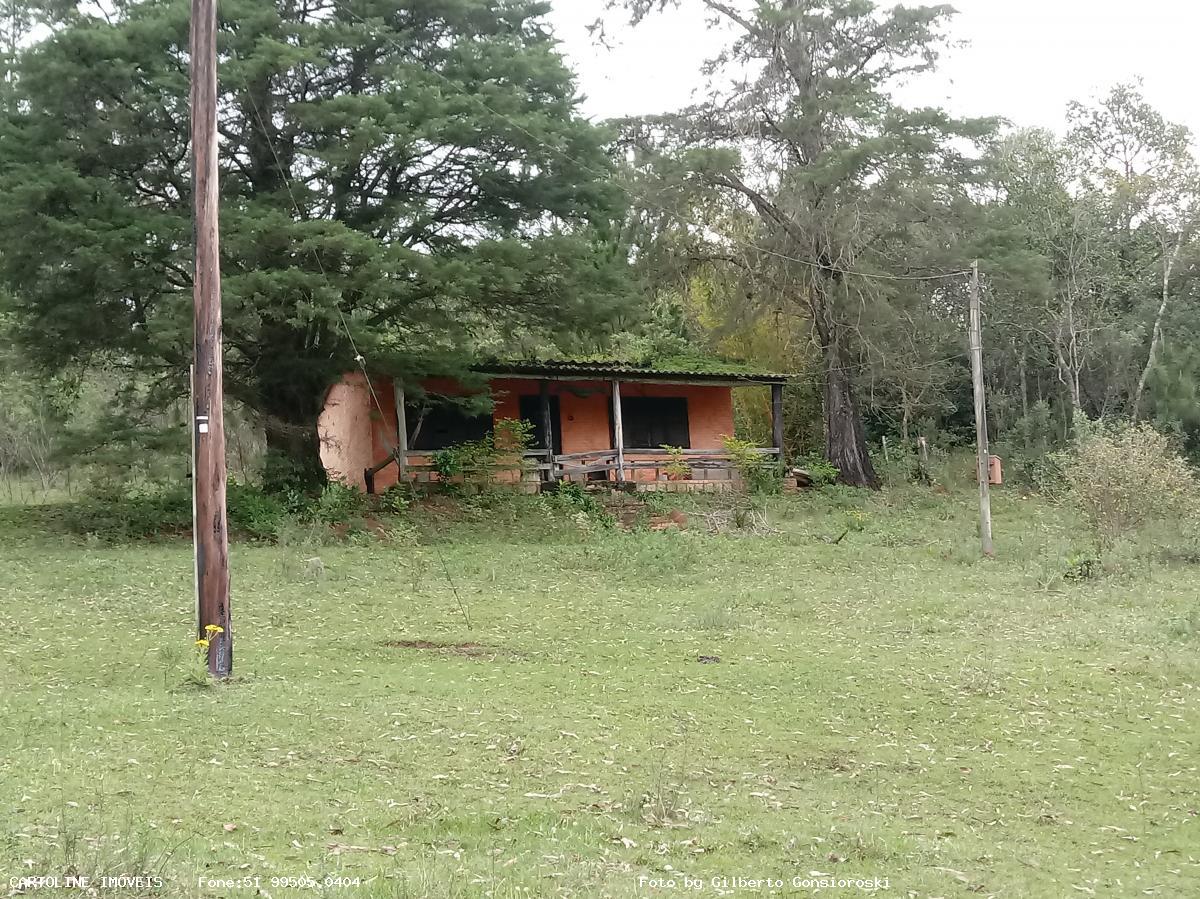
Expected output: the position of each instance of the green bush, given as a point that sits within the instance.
(822, 471)
(252, 512)
(396, 500)
(339, 504)
(1031, 450)
(571, 499)
(760, 473)
(1123, 477)
(166, 511)
(476, 462)
(677, 469)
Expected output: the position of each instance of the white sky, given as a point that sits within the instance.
(1024, 59)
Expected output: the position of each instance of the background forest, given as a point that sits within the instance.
(414, 182)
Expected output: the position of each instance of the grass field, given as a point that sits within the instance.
(884, 707)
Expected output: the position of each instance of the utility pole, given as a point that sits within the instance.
(210, 535)
(981, 435)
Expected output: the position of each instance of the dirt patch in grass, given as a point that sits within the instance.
(473, 650)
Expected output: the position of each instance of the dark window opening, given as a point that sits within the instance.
(435, 427)
(653, 421)
(531, 411)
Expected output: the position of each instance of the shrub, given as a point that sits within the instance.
(1121, 478)
(1082, 567)
(339, 504)
(476, 461)
(252, 512)
(572, 500)
(164, 512)
(512, 435)
(760, 473)
(822, 471)
(677, 469)
(396, 500)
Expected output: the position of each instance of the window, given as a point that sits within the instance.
(653, 421)
(435, 427)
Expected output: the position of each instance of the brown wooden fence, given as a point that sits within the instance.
(545, 467)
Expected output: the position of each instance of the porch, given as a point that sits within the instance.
(592, 423)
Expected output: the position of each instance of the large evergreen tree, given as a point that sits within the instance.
(413, 170)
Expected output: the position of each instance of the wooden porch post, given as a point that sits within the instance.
(547, 431)
(618, 430)
(777, 417)
(401, 431)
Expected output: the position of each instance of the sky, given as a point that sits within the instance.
(1023, 59)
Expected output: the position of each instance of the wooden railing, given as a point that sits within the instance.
(628, 461)
(544, 466)
(417, 465)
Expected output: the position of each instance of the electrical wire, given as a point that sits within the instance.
(394, 446)
(287, 182)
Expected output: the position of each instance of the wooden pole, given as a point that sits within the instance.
(195, 530)
(981, 435)
(401, 432)
(618, 431)
(211, 536)
(547, 430)
(777, 418)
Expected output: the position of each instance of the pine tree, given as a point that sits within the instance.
(414, 173)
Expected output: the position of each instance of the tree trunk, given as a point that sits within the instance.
(1157, 336)
(845, 436)
(293, 460)
(1022, 371)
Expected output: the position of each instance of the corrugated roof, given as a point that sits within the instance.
(715, 372)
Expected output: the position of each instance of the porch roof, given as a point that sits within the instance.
(714, 373)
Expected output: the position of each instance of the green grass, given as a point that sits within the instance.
(889, 707)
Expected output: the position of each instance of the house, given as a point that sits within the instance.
(591, 421)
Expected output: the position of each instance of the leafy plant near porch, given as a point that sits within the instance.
(476, 462)
(760, 474)
(677, 469)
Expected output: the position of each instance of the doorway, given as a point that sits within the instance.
(531, 411)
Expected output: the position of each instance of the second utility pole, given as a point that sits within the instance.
(983, 457)
(209, 528)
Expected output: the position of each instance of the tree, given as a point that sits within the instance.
(1054, 308)
(841, 181)
(16, 21)
(405, 180)
(1106, 220)
(1141, 167)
